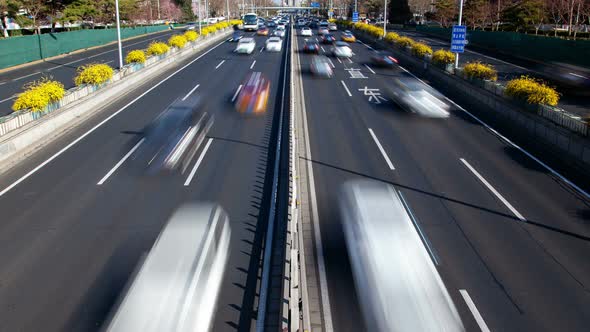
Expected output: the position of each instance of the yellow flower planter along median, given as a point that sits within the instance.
(94, 74)
(420, 50)
(443, 57)
(480, 70)
(177, 41)
(191, 35)
(135, 56)
(157, 48)
(38, 95)
(532, 91)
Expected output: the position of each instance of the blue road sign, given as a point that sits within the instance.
(315, 4)
(355, 17)
(458, 39)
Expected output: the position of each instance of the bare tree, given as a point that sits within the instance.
(34, 9)
(420, 7)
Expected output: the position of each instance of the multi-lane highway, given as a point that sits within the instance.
(509, 238)
(63, 69)
(73, 229)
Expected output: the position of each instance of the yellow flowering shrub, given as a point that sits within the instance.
(480, 70)
(135, 56)
(404, 41)
(177, 41)
(532, 90)
(38, 95)
(332, 20)
(206, 30)
(234, 22)
(420, 49)
(443, 57)
(391, 37)
(157, 48)
(191, 35)
(93, 74)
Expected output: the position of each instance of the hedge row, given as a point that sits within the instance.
(531, 90)
(38, 95)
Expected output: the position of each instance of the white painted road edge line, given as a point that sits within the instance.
(190, 92)
(219, 65)
(369, 68)
(67, 147)
(236, 94)
(201, 157)
(382, 150)
(322, 49)
(369, 47)
(7, 99)
(346, 88)
(253, 63)
(509, 142)
(324, 293)
(420, 233)
(482, 324)
(331, 63)
(339, 60)
(106, 177)
(494, 191)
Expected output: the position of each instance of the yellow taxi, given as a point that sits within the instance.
(348, 37)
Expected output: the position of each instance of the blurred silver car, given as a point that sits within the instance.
(177, 286)
(415, 96)
(398, 285)
(342, 50)
(320, 66)
(274, 44)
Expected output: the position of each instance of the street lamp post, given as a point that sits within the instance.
(385, 19)
(200, 17)
(460, 17)
(227, 6)
(119, 34)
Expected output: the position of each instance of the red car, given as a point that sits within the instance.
(263, 31)
(311, 47)
(253, 95)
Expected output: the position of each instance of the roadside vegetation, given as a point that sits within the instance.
(38, 95)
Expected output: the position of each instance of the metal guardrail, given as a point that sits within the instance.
(564, 119)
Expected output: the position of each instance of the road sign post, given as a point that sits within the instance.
(458, 41)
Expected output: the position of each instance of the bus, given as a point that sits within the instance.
(250, 22)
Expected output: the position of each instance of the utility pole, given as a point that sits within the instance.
(460, 17)
(227, 6)
(119, 34)
(385, 19)
(200, 16)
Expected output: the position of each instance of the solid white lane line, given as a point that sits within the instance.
(322, 49)
(190, 92)
(514, 145)
(120, 163)
(382, 150)
(29, 75)
(346, 88)
(366, 45)
(317, 235)
(350, 60)
(67, 147)
(194, 170)
(261, 49)
(494, 191)
(252, 65)
(339, 60)
(482, 324)
(331, 63)
(369, 68)
(236, 94)
(219, 65)
(7, 99)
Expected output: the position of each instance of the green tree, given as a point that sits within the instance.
(525, 13)
(446, 10)
(399, 11)
(80, 10)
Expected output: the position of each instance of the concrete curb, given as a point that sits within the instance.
(16, 145)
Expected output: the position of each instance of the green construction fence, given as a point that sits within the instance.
(539, 48)
(18, 50)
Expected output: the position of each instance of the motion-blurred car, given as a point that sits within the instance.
(262, 31)
(323, 30)
(342, 50)
(306, 32)
(274, 44)
(328, 38)
(246, 46)
(190, 26)
(253, 96)
(348, 37)
(171, 140)
(383, 59)
(320, 66)
(417, 97)
(311, 46)
(177, 284)
(332, 27)
(399, 288)
(271, 24)
(279, 31)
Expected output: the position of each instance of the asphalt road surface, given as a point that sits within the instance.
(63, 69)
(502, 229)
(69, 245)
